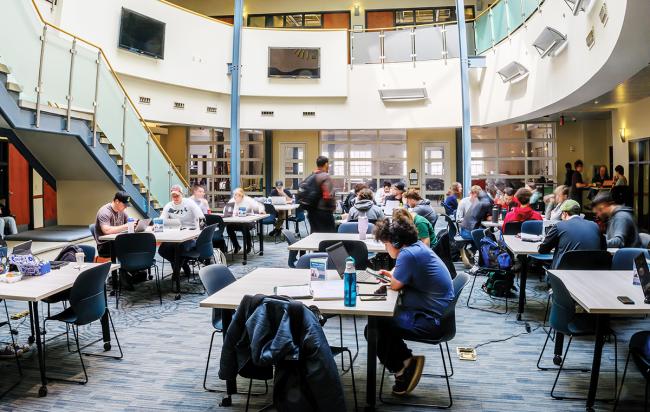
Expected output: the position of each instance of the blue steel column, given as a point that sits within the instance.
(464, 85)
(235, 77)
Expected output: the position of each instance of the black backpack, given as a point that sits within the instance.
(68, 254)
(309, 193)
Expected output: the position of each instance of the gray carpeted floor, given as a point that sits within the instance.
(165, 349)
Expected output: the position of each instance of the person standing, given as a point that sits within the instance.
(280, 191)
(577, 185)
(569, 174)
(316, 194)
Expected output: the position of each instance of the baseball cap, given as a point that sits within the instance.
(602, 197)
(279, 183)
(122, 197)
(400, 186)
(176, 188)
(571, 206)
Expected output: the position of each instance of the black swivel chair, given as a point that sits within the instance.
(272, 219)
(203, 250)
(14, 347)
(443, 250)
(448, 325)
(87, 305)
(297, 217)
(639, 344)
(136, 252)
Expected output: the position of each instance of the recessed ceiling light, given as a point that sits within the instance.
(596, 102)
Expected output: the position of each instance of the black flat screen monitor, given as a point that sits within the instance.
(141, 34)
(292, 62)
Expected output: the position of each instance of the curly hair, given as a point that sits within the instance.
(401, 230)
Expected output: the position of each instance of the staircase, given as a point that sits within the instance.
(62, 86)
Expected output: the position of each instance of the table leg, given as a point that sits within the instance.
(33, 311)
(106, 330)
(231, 385)
(601, 323)
(247, 235)
(371, 368)
(114, 277)
(176, 269)
(260, 231)
(522, 285)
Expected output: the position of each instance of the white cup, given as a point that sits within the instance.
(80, 257)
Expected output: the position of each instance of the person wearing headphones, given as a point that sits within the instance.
(426, 290)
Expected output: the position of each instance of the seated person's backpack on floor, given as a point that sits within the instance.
(496, 263)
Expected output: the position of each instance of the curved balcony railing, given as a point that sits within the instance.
(500, 20)
(58, 69)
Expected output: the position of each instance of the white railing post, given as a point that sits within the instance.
(413, 56)
(382, 55)
(95, 101)
(124, 140)
(73, 52)
(39, 83)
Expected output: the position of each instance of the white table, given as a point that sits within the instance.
(311, 242)
(596, 291)
(489, 223)
(248, 219)
(287, 207)
(32, 289)
(263, 280)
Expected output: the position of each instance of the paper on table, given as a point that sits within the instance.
(389, 206)
(327, 290)
(294, 291)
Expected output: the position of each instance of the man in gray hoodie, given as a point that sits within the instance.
(621, 228)
(365, 205)
(421, 206)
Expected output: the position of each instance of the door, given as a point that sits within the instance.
(19, 188)
(435, 170)
(380, 19)
(292, 165)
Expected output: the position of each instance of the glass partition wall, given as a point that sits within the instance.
(209, 163)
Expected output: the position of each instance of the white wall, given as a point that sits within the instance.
(634, 118)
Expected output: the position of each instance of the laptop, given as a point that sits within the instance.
(278, 200)
(229, 209)
(641, 265)
(338, 254)
(142, 225)
(23, 248)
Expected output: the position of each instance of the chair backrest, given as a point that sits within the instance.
(443, 250)
(214, 278)
(293, 254)
(645, 240)
(585, 260)
(353, 227)
(512, 228)
(89, 252)
(624, 258)
(356, 248)
(448, 320)
(290, 236)
(93, 231)
(87, 297)
(135, 251)
(451, 226)
(204, 242)
(563, 308)
(533, 227)
(269, 209)
(216, 220)
(299, 214)
(303, 262)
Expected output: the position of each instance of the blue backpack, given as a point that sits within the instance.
(493, 255)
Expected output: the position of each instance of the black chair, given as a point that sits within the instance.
(293, 254)
(355, 248)
(136, 252)
(272, 219)
(297, 217)
(639, 344)
(87, 305)
(443, 250)
(512, 228)
(565, 320)
(14, 347)
(477, 236)
(203, 250)
(218, 241)
(303, 261)
(455, 240)
(448, 325)
(586, 260)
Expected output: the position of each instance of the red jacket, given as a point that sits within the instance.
(521, 214)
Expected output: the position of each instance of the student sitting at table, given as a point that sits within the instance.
(479, 211)
(421, 206)
(380, 196)
(508, 201)
(454, 194)
(280, 191)
(554, 205)
(397, 192)
(524, 212)
(426, 291)
(619, 176)
(426, 233)
(198, 196)
(111, 219)
(188, 213)
(466, 203)
(365, 205)
(241, 200)
(621, 228)
(571, 233)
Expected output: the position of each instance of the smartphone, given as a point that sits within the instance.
(625, 300)
(372, 298)
(378, 275)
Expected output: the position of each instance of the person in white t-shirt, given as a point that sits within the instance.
(240, 200)
(467, 202)
(198, 196)
(189, 214)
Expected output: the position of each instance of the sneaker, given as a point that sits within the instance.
(409, 379)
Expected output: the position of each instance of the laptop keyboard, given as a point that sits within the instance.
(365, 277)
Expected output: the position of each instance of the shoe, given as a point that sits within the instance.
(248, 249)
(407, 381)
(272, 233)
(236, 250)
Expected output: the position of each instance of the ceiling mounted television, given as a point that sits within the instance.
(141, 34)
(293, 62)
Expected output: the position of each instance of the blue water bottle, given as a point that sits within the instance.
(350, 283)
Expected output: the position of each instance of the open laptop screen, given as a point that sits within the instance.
(641, 265)
(338, 254)
(23, 248)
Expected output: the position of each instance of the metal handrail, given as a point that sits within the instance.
(110, 67)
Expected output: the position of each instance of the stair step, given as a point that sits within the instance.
(114, 152)
(118, 162)
(14, 87)
(104, 140)
(4, 69)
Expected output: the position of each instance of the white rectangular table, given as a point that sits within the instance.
(263, 280)
(596, 291)
(249, 219)
(33, 289)
(311, 242)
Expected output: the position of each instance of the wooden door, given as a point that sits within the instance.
(336, 20)
(380, 19)
(19, 187)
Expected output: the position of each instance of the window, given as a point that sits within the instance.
(513, 154)
(410, 17)
(638, 177)
(209, 163)
(364, 156)
(290, 20)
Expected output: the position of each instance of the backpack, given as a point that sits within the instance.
(493, 255)
(308, 191)
(496, 262)
(68, 254)
(499, 283)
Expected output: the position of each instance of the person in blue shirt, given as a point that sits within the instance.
(454, 194)
(426, 290)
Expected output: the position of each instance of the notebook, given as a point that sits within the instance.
(294, 291)
(327, 290)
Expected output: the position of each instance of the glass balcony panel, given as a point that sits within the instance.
(136, 144)
(428, 43)
(56, 70)
(499, 21)
(110, 110)
(513, 9)
(397, 46)
(83, 80)
(482, 33)
(365, 47)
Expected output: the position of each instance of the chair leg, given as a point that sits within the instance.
(627, 362)
(75, 333)
(560, 370)
(13, 345)
(157, 274)
(207, 365)
(483, 309)
(100, 355)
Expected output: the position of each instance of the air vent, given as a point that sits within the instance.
(590, 40)
(267, 113)
(179, 105)
(308, 114)
(211, 109)
(603, 15)
(145, 100)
